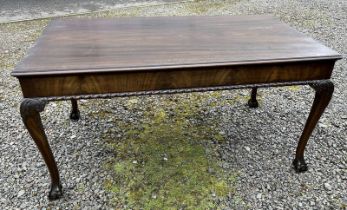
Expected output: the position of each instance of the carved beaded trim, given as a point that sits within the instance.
(178, 91)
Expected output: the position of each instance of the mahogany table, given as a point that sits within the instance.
(102, 58)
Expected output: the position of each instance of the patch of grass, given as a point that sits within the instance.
(128, 12)
(196, 7)
(81, 187)
(294, 88)
(164, 163)
(199, 7)
(341, 204)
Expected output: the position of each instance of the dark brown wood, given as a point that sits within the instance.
(75, 113)
(30, 111)
(73, 46)
(252, 102)
(63, 85)
(324, 91)
(88, 57)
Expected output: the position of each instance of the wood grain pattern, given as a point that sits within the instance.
(74, 46)
(97, 56)
(30, 111)
(80, 84)
(324, 92)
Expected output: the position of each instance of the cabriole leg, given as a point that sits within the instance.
(252, 102)
(75, 113)
(30, 111)
(324, 91)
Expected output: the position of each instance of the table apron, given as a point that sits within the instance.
(174, 81)
(176, 91)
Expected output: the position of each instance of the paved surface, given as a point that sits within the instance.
(15, 10)
(259, 143)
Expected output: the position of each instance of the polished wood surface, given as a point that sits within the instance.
(79, 57)
(324, 92)
(72, 46)
(118, 82)
(30, 111)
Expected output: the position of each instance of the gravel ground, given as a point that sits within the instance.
(259, 146)
(17, 10)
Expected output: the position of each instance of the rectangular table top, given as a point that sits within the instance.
(80, 45)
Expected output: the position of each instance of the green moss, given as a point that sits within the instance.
(201, 7)
(294, 88)
(219, 137)
(128, 12)
(165, 163)
(81, 187)
(221, 188)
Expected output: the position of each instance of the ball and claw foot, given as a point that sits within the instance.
(75, 116)
(56, 192)
(75, 113)
(300, 165)
(253, 103)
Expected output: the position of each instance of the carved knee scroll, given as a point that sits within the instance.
(324, 91)
(30, 111)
